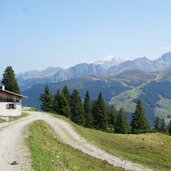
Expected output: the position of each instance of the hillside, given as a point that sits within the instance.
(108, 86)
(122, 91)
(151, 149)
(155, 96)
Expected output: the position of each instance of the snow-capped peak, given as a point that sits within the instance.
(109, 61)
(109, 58)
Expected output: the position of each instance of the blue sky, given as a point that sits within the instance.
(35, 34)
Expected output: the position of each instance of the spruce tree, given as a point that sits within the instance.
(121, 125)
(88, 110)
(56, 106)
(65, 107)
(163, 126)
(157, 124)
(77, 111)
(61, 105)
(111, 118)
(47, 100)
(9, 80)
(139, 123)
(99, 113)
(169, 128)
(66, 93)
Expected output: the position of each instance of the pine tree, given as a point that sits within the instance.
(99, 113)
(111, 118)
(88, 110)
(121, 125)
(163, 128)
(157, 124)
(169, 128)
(56, 105)
(139, 123)
(61, 105)
(9, 80)
(77, 111)
(66, 93)
(47, 100)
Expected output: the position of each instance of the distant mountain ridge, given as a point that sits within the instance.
(50, 71)
(111, 66)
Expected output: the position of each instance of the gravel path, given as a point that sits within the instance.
(14, 155)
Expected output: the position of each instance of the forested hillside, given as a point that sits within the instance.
(122, 91)
(109, 88)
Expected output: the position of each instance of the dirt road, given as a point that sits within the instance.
(14, 155)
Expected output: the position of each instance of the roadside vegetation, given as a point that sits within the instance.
(48, 153)
(13, 118)
(2, 121)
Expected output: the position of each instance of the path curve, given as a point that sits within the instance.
(12, 147)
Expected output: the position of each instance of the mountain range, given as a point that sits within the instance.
(121, 82)
(111, 66)
(121, 91)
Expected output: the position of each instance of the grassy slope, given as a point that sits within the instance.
(48, 153)
(163, 109)
(126, 100)
(151, 150)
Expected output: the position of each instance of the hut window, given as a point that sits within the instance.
(11, 106)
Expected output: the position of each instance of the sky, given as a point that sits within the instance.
(35, 34)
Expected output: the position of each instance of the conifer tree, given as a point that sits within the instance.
(157, 124)
(169, 128)
(9, 80)
(99, 113)
(77, 111)
(47, 100)
(56, 107)
(163, 126)
(111, 118)
(61, 105)
(88, 110)
(139, 123)
(66, 93)
(121, 125)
